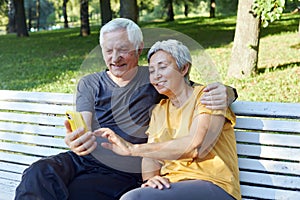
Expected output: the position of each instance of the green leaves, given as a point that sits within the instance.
(268, 10)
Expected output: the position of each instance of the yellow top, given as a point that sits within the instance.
(219, 166)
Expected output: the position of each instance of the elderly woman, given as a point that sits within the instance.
(191, 150)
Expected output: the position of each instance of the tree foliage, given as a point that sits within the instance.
(268, 10)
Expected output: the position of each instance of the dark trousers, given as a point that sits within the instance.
(68, 176)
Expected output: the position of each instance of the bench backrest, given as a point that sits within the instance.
(268, 143)
(268, 140)
(31, 127)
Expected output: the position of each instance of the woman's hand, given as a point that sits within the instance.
(115, 142)
(79, 142)
(158, 182)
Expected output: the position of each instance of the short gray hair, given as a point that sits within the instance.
(177, 50)
(135, 35)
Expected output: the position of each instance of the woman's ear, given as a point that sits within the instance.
(185, 69)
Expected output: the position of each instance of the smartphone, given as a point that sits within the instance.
(76, 120)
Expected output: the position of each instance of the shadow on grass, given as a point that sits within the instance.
(219, 31)
(278, 67)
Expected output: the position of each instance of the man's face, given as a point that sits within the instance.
(119, 53)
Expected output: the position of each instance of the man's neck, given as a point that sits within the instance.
(124, 79)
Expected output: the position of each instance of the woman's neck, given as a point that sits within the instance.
(181, 95)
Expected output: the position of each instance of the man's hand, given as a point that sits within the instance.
(215, 96)
(79, 142)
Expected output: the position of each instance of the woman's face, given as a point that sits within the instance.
(164, 73)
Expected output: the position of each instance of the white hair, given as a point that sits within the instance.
(177, 50)
(135, 35)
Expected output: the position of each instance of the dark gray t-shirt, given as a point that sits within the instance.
(125, 110)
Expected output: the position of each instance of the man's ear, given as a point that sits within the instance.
(141, 47)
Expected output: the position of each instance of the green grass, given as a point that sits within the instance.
(51, 61)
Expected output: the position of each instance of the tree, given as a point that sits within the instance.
(20, 19)
(65, 13)
(84, 18)
(129, 9)
(11, 27)
(212, 12)
(170, 13)
(251, 14)
(106, 12)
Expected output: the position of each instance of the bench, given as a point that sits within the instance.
(268, 141)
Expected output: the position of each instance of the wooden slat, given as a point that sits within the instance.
(33, 129)
(268, 125)
(10, 176)
(12, 168)
(268, 138)
(34, 107)
(268, 193)
(39, 97)
(269, 152)
(270, 180)
(18, 158)
(270, 166)
(33, 118)
(7, 189)
(33, 150)
(33, 139)
(267, 109)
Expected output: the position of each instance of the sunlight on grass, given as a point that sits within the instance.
(51, 60)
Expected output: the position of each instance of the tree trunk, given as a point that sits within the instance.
(11, 27)
(170, 13)
(29, 17)
(84, 18)
(65, 14)
(212, 13)
(186, 9)
(106, 13)
(20, 19)
(129, 9)
(244, 55)
(38, 13)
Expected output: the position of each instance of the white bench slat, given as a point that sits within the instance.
(33, 150)
(270, 166)
(268, 152)
(11, 167)
(39, 97)
(30, 118)
(270, 180)
(269, 109)
(266, 138)
(269, 193)
(18, 158)
(33, 129)
(33, 139)
(34, 107)
(7, 189)
(10, 176)
(268, 125)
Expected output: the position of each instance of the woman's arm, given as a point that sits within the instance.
(150, 168)
(204, 132)
(151, 174)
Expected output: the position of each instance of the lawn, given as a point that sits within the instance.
(52, 60)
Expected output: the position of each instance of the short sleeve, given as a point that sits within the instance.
(201, 109)
(85, 99)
